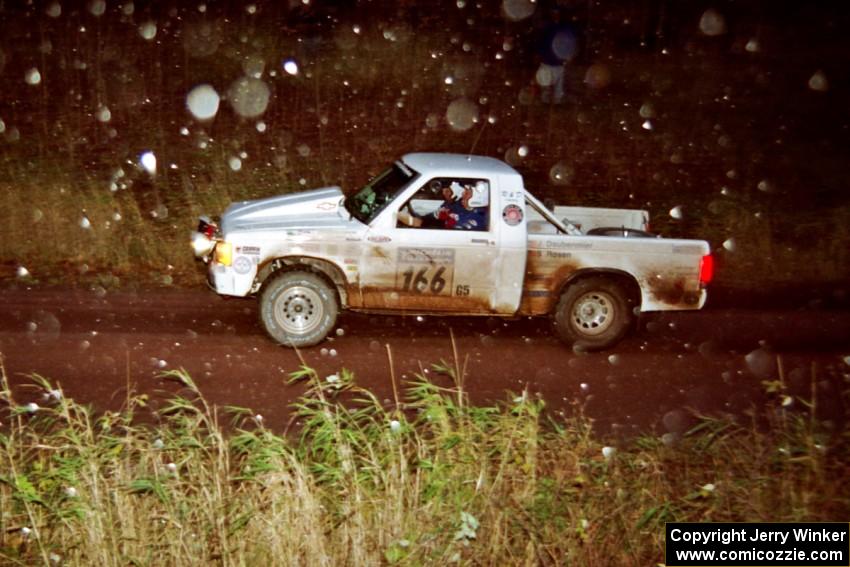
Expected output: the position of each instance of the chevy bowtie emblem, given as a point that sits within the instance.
(326, 206)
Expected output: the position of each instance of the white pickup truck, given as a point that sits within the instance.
(401, 245)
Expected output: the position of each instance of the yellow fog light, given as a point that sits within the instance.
(224, 253)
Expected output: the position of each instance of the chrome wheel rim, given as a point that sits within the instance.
(299, 310)
(593, 313)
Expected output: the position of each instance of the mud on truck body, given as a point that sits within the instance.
(309, 255)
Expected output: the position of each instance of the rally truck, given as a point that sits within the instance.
(306, 256)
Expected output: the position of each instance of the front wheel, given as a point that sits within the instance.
(298, 309)
(593, 314)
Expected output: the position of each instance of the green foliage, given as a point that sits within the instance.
(429, 480)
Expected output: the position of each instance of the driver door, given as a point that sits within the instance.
(429, 269)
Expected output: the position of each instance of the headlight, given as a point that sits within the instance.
(224, 253)
(201, 245)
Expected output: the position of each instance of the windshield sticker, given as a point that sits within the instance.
(512, 215)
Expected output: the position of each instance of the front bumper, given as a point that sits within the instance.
(226, 281)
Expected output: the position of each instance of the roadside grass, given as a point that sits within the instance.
(430, 479)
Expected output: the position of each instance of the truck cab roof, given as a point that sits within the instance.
(457, 164)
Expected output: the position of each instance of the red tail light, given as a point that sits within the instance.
(706, 270)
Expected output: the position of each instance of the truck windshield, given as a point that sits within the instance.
(371, 200)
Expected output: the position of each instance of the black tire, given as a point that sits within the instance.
(298, 309)
(593, 314)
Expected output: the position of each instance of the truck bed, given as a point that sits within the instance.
(588, 218)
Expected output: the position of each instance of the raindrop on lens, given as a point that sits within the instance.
(712, 23)
(516, 10)
(103, 114)
(761, 363)
(249, 97)
(676, 212)
(598, 76)
(561, 174)
(291, 67)
(545, 76)
(97, 7)
(33, 76)
(647, 110)
(202, 101)
(253, 66)
(818, 82)
(54, 10)
(462, 114)
(148, 30)
(148, 162)
(235, 163)
(729, 244)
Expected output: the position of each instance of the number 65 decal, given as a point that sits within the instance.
(422, 281)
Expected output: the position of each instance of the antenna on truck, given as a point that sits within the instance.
(478, 137)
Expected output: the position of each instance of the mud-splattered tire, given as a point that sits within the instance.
(593, 314)
(297, 309)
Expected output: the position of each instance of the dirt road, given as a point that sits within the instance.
(97, 343)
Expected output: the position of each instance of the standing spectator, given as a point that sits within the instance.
(556, 47)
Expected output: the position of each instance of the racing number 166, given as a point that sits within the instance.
(420, 281)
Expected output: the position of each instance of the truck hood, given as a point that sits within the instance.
(318, 208)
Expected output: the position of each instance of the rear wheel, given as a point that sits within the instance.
(593, 313)
(298, 309)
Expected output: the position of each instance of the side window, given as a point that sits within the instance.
(448, 204)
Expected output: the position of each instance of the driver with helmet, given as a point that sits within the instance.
(464, 207)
